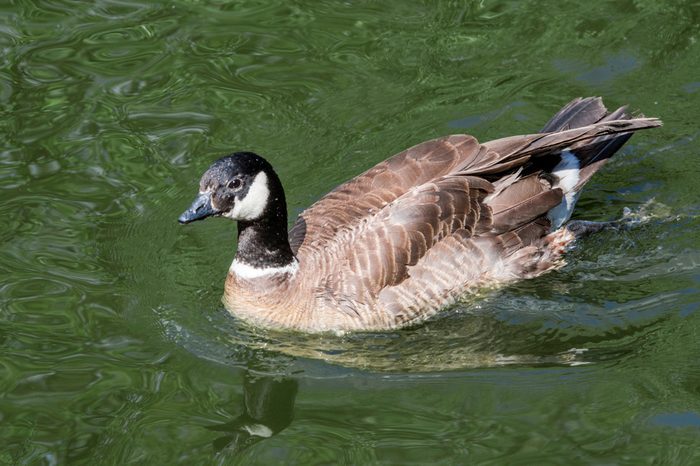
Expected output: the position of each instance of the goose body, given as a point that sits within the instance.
(396, 244)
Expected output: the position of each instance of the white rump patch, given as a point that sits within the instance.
(253, 204)
(567, 172)
(243, 270)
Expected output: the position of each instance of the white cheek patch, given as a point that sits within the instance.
(253, 204)
(567, 172)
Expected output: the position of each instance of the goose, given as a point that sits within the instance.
(416, 232)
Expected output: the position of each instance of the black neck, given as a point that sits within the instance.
(263, 242)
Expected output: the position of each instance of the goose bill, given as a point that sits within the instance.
(201, 208)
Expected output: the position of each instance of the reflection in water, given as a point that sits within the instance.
(268, 408)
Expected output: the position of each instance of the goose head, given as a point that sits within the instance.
(240, 186)
(244, 187)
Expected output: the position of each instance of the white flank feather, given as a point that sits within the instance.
(567, 173)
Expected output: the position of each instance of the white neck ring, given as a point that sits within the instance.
(243, 270)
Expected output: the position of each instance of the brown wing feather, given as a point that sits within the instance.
(379, 252)
(371, 191)
(522, 200)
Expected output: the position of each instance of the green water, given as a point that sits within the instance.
(114, 346)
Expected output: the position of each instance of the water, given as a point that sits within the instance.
(114, 346)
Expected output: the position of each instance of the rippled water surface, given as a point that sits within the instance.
(114, 346)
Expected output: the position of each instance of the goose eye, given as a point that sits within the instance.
(235, 184)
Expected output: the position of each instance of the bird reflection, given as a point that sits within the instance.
(268, 404)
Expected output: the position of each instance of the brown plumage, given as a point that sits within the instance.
(409, 236)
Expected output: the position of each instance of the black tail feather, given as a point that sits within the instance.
(593, 153)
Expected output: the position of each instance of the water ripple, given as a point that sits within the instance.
(114, 346)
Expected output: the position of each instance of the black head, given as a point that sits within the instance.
(238, 186)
